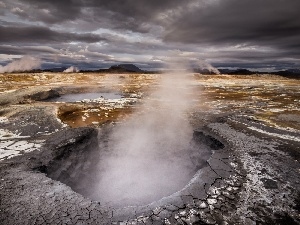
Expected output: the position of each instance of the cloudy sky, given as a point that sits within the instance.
(253, 34)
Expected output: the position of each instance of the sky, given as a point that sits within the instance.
(89, 34)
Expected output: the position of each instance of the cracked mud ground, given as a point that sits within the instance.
(250, 123)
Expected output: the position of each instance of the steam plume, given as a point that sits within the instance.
(25, 63)
(191, 63)
(71, 69)
(148, 157)
(205, 65)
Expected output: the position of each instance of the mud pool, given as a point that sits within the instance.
(84, 170)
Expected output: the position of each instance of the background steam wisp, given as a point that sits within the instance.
(25, 63)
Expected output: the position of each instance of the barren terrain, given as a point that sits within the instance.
(251, 125)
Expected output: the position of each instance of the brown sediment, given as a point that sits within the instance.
(77, 115)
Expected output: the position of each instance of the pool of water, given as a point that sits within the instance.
(81, 96)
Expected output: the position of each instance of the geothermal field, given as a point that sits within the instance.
(134, 148)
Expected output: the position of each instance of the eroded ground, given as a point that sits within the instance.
(253, 179)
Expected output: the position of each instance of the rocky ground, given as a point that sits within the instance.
(251, 125)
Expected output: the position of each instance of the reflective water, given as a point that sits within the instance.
(81, 96)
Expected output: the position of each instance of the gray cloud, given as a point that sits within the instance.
(229, 22)
(31, 50)
(225, 32)
(43, 35)
(47, 11)
(117, 14)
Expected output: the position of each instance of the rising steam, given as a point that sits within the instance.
(192, 63)
(148, 157)
(25, 63)
(205, 65)
(71, 69)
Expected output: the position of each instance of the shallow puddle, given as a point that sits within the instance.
(81, 96)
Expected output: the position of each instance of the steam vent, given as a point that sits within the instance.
(148, 148)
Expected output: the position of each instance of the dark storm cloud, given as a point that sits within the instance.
(135, 15)
(132, 8)
(268, 22)
(43, 35)
(92, 32)
(19, 50)
(49, 11)
(119, 14)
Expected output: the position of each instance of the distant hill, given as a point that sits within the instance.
(242, 72)
(204, 71)
(226, 71)
(131, 68)
(125, 68)
(55, 69)
(291, 73)
(121, 68)
(237, 72)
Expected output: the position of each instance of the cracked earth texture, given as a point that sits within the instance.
(251, 124)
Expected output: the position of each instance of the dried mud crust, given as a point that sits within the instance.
(250, 180)
(270, 193)
(28, 196)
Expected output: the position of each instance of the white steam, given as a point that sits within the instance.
(25, 63)
(192, 62)
(148, 157)
(205, 65)
(71, 69)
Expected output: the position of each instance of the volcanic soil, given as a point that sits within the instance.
(250, 124)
